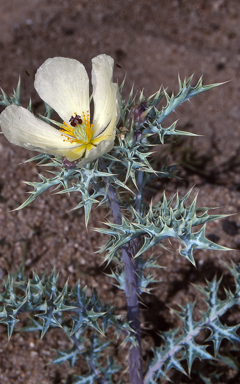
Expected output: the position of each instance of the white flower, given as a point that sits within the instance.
(63, 84)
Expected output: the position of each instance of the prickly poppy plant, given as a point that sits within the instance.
(108, 161)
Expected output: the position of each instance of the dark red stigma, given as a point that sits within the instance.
(75, 120)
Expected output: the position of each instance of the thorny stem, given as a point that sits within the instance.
(131, 290)
(139, 192)
(96, 371)
(98, 374)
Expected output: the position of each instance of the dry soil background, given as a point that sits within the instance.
(151, 41)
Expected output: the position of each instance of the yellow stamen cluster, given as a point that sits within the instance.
(81, 133)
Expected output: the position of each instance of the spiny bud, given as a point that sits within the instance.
(137, 114)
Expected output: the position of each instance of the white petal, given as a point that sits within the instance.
(103, 147)
(105, 97)
(63, 84)
(22, 128)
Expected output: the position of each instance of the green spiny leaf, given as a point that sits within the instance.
(69, 355)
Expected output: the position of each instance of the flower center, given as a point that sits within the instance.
(79, 130)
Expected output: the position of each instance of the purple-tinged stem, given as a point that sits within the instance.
(132, 293)
(132, 299)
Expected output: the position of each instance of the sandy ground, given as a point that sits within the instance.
(152, 42)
